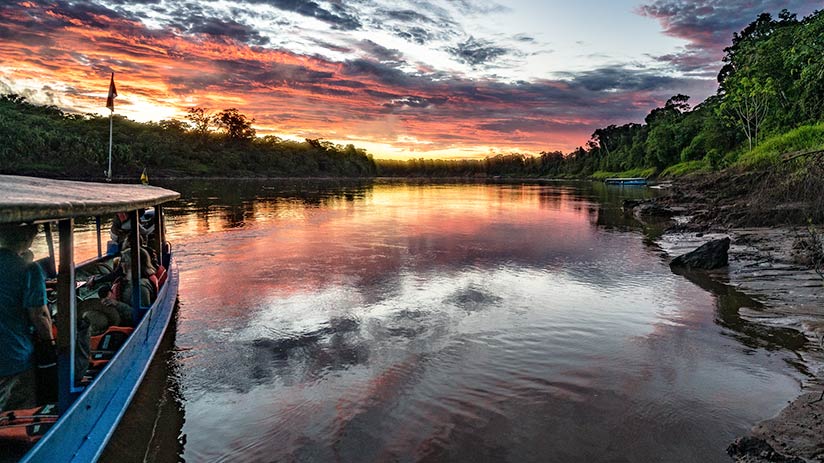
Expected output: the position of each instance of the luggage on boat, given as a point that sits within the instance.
(27, 425)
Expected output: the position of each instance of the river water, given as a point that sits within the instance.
(440, 322)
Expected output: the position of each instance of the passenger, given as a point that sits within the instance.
(119, 293)
(147, 269)
(22, 305)
(122, 225)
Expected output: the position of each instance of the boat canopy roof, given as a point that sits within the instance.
(26, 199)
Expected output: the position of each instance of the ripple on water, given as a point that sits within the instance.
(457, 323)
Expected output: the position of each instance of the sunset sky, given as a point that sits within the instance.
(401, 78)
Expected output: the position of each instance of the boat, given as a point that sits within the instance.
(88, 408)
(626, 181)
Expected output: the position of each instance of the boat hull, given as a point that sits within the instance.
(81, 433)
(625, 181)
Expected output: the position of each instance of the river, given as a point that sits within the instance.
(410, 322)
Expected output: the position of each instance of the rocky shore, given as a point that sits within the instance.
(771, 260)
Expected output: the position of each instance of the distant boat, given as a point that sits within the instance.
(626, 181)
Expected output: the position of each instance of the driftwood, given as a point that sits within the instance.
(798, 154)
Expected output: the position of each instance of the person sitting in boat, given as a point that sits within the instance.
(23, 304)
(122, 225)
(118, 294)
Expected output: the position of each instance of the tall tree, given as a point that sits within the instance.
(237, 126)
(747, 104)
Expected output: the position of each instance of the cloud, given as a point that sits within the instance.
(417, 27)
(476, 52)
(620, 79)
(408, 16)
(478, 7)
(379, 52)
(414, 102)
(708, 25)
(338, 18)
(227, 28)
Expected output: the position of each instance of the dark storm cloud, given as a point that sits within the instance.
(476, 52)
(272, 73)
(63, 14)
(417, 35)
(408, 16)
(239, 75)
(338, 18)
(521, 124)
(620, 79)
(708, 25)
(427, 23)
(383, 73)
(30, 38)
(379, 52)
(225, 28)
(135, 2)
(584, 100)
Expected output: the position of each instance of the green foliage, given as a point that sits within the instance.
(747, 104)
(768, 153)
(237, 126)
(686, 167)
(43, 140)
(639, 172)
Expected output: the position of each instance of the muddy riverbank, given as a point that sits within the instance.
(771, 261)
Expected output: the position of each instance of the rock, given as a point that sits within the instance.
(755, 450)
(628, 205)
(710, 255)
(654, 210)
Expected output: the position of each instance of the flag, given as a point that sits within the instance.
(112, 95)
(144, 179)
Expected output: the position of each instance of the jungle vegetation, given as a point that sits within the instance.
(43, 140)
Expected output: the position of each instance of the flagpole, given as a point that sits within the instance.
(110, 105)
(111, 125)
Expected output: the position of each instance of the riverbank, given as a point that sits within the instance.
(771, 262)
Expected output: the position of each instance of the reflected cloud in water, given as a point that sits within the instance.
(396, 321)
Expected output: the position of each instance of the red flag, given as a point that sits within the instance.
(112, 95)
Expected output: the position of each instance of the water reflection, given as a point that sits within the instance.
(452, 322)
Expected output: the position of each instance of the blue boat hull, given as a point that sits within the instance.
(81, 434)
(620, 181)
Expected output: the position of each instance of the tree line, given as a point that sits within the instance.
(44, 140)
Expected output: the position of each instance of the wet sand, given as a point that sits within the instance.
(790, 296)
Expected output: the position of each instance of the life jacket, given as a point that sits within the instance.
(111, 339)
(27, 425)
(104, 347)
(161, 276)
